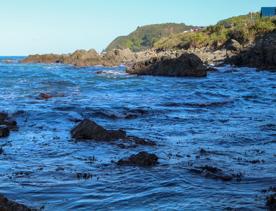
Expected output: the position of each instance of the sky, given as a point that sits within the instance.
(62, 26)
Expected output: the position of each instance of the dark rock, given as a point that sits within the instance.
(215, 173)
(4, 131)
(89, 130)
(11, 124)
(84, 176)
(140, 159)
(271, 202)
(185, 65)
(261, 55)
(140, 141)
(7, 205)
(3, 116)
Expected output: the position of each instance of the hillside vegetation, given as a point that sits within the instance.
(244, 29)
(144, 37)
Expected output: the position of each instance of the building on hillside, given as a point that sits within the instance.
(268, 11)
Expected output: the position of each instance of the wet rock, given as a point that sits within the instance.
(89, 130)
(11, 124)
(7, 205)
(215, 173)
(140, 159)
(185, 65)
(271, 202)
(4, 131)
(3, 116)
(140, 141)
(44, 96)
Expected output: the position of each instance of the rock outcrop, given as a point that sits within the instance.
(82, 58)
(140, 159)
(89, 130)
(184, 65)
(261, 55)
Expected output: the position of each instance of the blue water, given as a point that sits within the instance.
(230, 113)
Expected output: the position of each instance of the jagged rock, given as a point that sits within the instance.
(185, 65)
(7, 205)
(140, 159)
(262, 55)
(4, 131)
(88, 129)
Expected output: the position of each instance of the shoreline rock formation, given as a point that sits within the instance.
(185, 65)
(261, 55)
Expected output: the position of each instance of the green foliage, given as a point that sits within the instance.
(144, 37)
(244, 29)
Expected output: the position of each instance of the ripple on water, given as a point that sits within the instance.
(225, 120)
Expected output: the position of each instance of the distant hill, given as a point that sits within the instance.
(144, 37)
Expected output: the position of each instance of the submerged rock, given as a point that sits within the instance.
(185, 65)
(215, 173)
(4, 131)
(7, 205)
(90, 130)
(140, 159)
(7, 122)
(44, 96)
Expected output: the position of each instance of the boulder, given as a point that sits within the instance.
(88, 129)
(185, 65)
(233, 45)
(4, 131)
(140, 159)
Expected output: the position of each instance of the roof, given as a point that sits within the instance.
(268, 11)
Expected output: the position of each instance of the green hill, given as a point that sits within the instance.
(244, 29)
(144, 37)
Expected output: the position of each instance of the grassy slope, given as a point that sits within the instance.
(241, 28)
(144, 37)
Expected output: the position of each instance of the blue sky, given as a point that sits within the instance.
(62, 26)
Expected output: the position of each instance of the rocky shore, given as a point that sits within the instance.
(261, 55)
